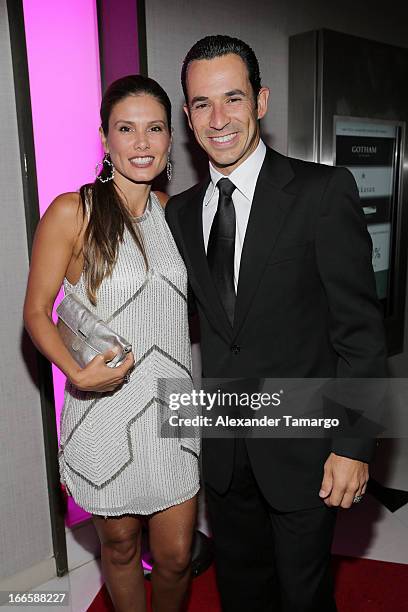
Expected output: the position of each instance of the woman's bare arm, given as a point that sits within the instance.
(58, 237)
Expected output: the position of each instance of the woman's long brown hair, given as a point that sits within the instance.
(102, 204)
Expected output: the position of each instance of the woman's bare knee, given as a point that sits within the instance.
(120, 540)
(175, 560)
(122, 552)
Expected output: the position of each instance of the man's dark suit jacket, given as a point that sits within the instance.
(306, 307)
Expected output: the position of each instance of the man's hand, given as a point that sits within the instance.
(343, 479)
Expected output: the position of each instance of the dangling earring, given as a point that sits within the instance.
(99, 169)
(169, 169)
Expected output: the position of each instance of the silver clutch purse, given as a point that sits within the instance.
(85, 335)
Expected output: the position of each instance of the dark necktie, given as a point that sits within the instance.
(221, 247)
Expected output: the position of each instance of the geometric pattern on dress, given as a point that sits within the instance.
(97, 450)
(157, 349)
(129, 442)
(172, 285)
(141, 289)
(188, 450)
(93, 404)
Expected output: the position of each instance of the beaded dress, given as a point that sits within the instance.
(113, 458)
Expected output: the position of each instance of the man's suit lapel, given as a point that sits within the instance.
(191, 224)
(269, 209)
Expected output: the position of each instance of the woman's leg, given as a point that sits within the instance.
(121, 561)
(170, 535)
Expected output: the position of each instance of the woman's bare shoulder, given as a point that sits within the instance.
(66, 207)
(162, 197)
(67, 204)
(65, 213)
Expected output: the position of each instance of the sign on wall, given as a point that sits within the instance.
(370, 150)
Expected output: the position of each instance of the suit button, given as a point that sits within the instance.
(235, 348)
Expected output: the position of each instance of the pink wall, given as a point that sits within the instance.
(63, 63)
(65, 86)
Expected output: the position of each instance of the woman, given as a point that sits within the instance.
(111, 246)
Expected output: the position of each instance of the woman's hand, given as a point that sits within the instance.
(100, 378)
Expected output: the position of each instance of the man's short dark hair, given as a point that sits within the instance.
(211, 47)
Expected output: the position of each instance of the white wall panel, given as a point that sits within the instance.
(25, 528)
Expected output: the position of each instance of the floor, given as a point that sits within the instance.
(375, 529)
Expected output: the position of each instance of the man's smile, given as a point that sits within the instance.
(223, 140)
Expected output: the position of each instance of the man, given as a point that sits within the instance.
(279, 262)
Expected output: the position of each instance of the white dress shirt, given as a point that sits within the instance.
(244, 178)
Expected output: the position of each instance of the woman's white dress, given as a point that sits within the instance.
(114, 457)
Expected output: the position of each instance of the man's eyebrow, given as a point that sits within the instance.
(235, 92)
(198, 99)
(228, 94)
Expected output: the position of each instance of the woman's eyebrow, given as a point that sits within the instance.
(133, 123)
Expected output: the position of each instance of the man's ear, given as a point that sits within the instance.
(262, 101)
(187, 111)
(103, 140)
